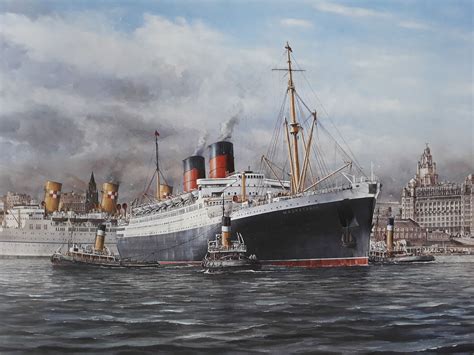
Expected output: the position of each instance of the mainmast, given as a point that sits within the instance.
(293, 128)
(294, 125)
(158, 197)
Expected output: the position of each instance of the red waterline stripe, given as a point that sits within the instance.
(181, 262)
(309, 263)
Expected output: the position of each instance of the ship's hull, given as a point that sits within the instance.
(308, 233)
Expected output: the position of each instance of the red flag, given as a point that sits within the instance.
(157, 134)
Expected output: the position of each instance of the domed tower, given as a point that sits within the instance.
(426, 170)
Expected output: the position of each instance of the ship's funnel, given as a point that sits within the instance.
(390, 235)
(194, 169)
(226, 231)
(109, 197)
(100, 238)
(221, 159)
(165, 191)
(52, 195)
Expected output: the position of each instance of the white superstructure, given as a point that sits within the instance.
(26, 231)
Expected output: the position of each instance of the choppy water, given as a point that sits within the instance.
(421, 307)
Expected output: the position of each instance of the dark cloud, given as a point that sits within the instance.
(45, 131)
(75, 100)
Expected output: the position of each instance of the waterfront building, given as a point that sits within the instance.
(404, 229)
(438, 206)
(73, 201)
(385, 209)
(15, 199)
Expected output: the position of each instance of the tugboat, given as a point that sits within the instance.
(97, 255)
(224, 254)
(381, 253)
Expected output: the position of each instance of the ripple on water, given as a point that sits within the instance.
(376, 309)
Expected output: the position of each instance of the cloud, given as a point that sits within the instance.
(361, 12)
(414, 25)
(349, 11)
(296, 23)
(77, 96)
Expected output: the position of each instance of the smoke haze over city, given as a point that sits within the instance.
(84, 86)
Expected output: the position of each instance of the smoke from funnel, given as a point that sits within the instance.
(201, 144)
(227, 128)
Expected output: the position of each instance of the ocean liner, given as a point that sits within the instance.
(289, 219)
(39, 230)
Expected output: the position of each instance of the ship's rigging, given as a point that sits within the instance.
(286, 165)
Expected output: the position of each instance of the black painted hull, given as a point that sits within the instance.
(324, 234)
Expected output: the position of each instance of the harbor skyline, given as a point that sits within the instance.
(85, 85)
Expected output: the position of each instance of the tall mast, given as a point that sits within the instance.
(294, 125)
(158, 197)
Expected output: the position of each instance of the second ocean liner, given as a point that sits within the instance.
(290, 219)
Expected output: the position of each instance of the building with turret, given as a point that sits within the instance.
(92, 195)
(81, 202)
(438, 206)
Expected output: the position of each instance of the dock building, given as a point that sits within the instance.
(435, 205)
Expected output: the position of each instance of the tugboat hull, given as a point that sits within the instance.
(58, 259)
(230, 265)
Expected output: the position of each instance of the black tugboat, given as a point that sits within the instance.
(224, 254)
(386, 253)
(97, 255)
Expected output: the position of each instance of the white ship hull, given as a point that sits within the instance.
(18, 243)
(26, 232)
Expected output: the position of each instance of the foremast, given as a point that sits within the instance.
(293, 129)
(294, 125)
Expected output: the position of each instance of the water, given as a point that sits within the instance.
(398, 308)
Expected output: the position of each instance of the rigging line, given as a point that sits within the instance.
(320, 157)
(277, 130)
(328, 116)
(356, 163)
(149, 184)
(347, 156)
(145, 189)
(345, 153)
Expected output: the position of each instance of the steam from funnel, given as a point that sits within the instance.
(227, 128)
(201, 144)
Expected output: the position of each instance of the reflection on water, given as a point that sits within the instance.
(403, 308)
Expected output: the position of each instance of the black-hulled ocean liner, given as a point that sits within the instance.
(289, 222)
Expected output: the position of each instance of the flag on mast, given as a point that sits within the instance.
(156, 133)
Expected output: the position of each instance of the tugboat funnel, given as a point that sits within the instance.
(390, 235)
(226, 231)
(100, 238)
